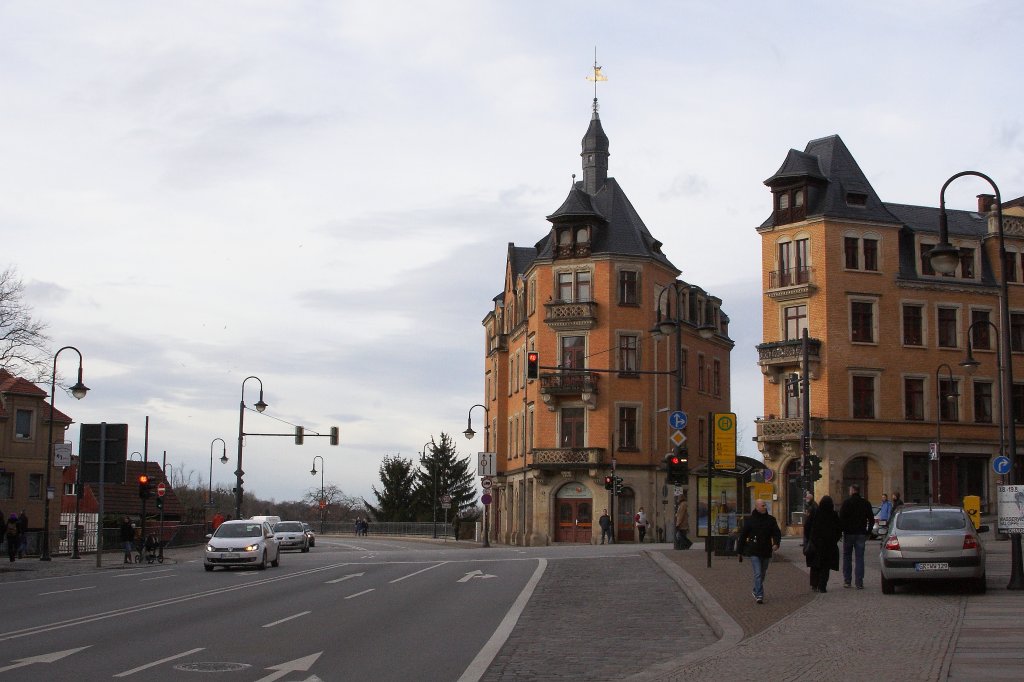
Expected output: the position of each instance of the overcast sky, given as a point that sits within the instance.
(321, 194)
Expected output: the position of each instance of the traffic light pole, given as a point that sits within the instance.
(805, 409)
(614, 495)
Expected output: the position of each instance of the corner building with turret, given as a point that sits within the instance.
(586, 297)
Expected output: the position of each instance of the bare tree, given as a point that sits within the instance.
(24, 344)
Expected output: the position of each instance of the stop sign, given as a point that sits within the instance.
(161, 489)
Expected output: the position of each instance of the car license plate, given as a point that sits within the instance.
(229, 555)
(932, 566)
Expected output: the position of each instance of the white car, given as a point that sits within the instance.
(242, 543)
(291, 535)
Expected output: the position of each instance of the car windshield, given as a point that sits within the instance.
(288, 527)
(931, 520)
(239, 530)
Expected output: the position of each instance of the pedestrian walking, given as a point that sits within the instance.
(682, 539)
(127, 538)
(884, 514)
(605, 522)
(822, 548)
(759, 537)
(11, 535)
(641, 523)
(897, 501)
(22, 534)
(856, 517)
(810, 509)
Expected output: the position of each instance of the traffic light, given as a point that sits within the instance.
(618, 485)
(678, 466)
(532, 364)
(145, 487)
(814, 463)
(609, 482)
(299, 435)
(159, 502)
(793, 385)
(335, 439)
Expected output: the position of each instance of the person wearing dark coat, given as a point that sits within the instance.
(762, 533)
(856, 517)
(823, 543)
(810, 508)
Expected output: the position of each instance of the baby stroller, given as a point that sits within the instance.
(154, 550)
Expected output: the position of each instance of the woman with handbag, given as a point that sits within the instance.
(823, 542)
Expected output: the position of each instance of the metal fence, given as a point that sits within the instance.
(390, 528)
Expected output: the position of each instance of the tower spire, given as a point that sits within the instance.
(596, 77)
(595, 143)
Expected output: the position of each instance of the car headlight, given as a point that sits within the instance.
(211, 548)
(252, 548)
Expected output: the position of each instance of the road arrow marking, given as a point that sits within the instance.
(299, 664)
(475, 574)
(344, 577)
(42, 658)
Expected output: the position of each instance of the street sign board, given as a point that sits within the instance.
(161, 489)
(768, 475)
(487, 464)
(677, 438)
(485, 498)
(1010, 508)
(106, 441)
(677, 420)
(725, 440)
(1001, 465)
(486, 484)
(62, 454)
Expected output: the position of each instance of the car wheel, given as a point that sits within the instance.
(305, 548)
(208, 567)
(262, 565)
(979, 586)
(888, 586)
(277, 559)
(312, 543)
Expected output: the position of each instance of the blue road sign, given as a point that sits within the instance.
(677, 420)
(1001, 465)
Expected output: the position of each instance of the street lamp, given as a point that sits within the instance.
(944, 258)
(971, 365)
(934, 487)
(260, 406)
(223, 460)
(322, 502)
(433, 467)
(78, 390)
(469, 433)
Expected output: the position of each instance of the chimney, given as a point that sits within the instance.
(986, 202)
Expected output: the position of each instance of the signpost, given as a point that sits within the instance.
(1010, 508)
(725, 440)
(1001, 465)
(487, 464)
(161, 489)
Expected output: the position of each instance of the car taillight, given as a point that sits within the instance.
(970, 542)
(893, 543)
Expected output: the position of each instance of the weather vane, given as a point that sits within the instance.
(596, 77)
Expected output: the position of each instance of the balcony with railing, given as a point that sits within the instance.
(778, 357)
(790, 283)
(563, 315)
(776, 429)
(569, 382)
(567, 458)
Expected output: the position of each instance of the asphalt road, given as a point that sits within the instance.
(372, 609)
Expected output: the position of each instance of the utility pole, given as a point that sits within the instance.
(805, 409)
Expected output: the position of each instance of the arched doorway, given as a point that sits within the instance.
(574, 512)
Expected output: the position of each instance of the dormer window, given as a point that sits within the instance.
(858, 199)
(573, 241)
(789, 205)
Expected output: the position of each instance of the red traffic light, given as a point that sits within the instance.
(143, 479)
(532, 364)
(673, 460)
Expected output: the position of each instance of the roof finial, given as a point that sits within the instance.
(598, 76)
(573, 179)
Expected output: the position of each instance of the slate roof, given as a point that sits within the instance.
(121, 498)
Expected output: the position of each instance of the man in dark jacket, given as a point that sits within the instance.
(606, 527)
(856, 518)
(762, 533)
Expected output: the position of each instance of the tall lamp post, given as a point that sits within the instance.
(971, 365)
(944, 259)
(260, 406)
(935, 470)
(323, 503)
(469, 433)
(78, 390)
(223, 460)
(433, 468)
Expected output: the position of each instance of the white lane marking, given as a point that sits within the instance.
(303, 664)
(75, 589)
(475, 574)
(483, 660)
(359, 594)
(42, 658)
(137, 572)
(398, 580)
(344, 578)
(159, 577)
(151, 664)
(285, 620)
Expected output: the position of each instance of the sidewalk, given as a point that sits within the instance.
(31, 568)
(844, 634)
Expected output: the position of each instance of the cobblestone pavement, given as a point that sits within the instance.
(604, 618)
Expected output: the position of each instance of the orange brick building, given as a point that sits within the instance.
(586, 297)
(887, 335)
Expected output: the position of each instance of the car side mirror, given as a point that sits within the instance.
(209, 535)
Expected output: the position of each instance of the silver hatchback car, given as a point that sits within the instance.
(936, 542)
